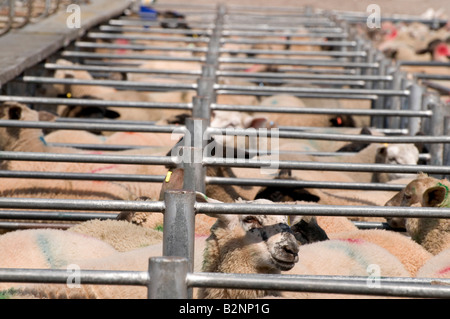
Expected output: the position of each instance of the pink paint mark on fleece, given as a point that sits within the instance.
(444, 271)
(353, 240)
(103, 168)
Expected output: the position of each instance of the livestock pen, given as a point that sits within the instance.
(332, 62)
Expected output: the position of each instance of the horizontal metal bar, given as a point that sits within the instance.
(326, 166)
(424, 63)
(329, 111)
(228, 33)
(327, 136)
(94, 125)
(26, 225)
(52, 215)
(137, 47)
(285, 89)
(113, 36)
(443, 77)
(297, 52)
(149, 57)
(100, 68)
(302, 95)
(93, 102)
(300, 183)
(146, 23)
(82, 204)
(386, 287)
(276, 75)
(112, 83)
(291, 42)
(83, 176)
(299, 62)
(86, 158)
(124, 29)
(322, 210)
(103, 277)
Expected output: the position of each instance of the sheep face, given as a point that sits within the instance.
(266, 242)
(413, 192)
(412, 195)
(14, 111)
(401, 154)
(272, 240)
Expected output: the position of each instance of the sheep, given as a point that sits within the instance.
(31, 140)
(285, 100)
(121, 235)
(48, 248)
(344, 257)
(261, 244)
(411, 255)
(275, 248)
(437, 266)
(133, 260)
(432, 233)
(103, 92)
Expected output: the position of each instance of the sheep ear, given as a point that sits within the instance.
(436, 196)
(202, 198)
(174, 180)
(47, 116)
(15, 113)
(307, 230)
(256, 122)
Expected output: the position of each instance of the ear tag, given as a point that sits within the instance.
(168, 176)
(69, 95)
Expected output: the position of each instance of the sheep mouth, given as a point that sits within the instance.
(284, 265)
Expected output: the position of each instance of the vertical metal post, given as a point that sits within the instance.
(436, 128)
(168, 278)
(446, 151)
(415, 104)
(395, 101)
(379, 103)
(179, 228)
(201, 107)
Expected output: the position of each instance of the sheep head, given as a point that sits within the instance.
(401, 154)
(423, 191)
(10, 136)
(250, 243)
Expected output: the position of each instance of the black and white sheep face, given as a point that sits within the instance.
(271, 241)
(399, 154)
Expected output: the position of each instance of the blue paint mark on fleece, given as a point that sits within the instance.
(349, 250)
(47, 250)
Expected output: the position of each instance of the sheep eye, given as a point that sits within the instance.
(252, 221)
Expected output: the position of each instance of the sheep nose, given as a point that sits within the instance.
(291, 249)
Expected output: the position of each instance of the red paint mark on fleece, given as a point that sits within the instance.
(353, 240)
(103, 168)
(444, 271)
(122, 41)
(442, 50)
(254, 68)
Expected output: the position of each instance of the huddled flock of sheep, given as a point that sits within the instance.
(270, 244)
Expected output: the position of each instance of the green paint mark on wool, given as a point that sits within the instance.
(47, 249)
(349, 250)
(445, 202)
(8, 294)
